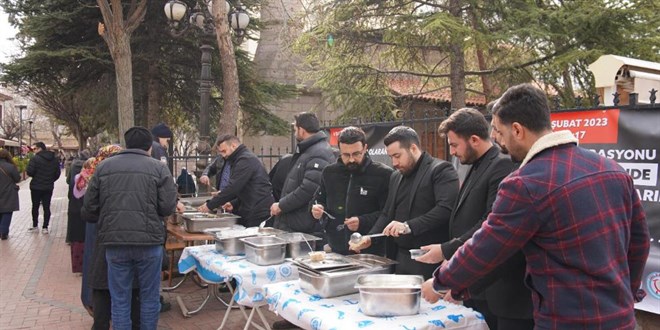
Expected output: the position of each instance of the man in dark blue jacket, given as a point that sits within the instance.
(131, 192)
(353, 191)
(44, 168)
(248, 192)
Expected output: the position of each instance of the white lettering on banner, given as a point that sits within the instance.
(647, 195)
(577, 123)
(643, 174)
(379, 151)
(627, 154)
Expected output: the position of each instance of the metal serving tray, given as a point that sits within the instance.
(389, 295)
(195, 201)
(331, 261)
(341, 281)
(197, 222)
(228, 242)
(297, 244)
(264, 250)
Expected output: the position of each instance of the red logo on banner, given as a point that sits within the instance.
(334, 136)
(598, 126)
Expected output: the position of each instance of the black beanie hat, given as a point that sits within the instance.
(138, 137)
(162, 131)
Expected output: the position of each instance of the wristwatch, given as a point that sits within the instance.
(406, 229)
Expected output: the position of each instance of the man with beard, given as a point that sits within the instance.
(352, 191)
(248, 192)
(421, 195)
(501, 296)
(576, 216)
(312, 155)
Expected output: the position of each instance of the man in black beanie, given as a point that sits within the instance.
(161, 140)
(130, 224)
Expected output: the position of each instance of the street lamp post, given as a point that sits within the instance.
(30, 131)
(20, 129)
(180, 18)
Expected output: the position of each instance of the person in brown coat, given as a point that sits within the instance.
(9, 178)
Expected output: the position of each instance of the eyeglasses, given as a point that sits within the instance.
(353, 155)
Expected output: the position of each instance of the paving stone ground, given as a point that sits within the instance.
(39, 291)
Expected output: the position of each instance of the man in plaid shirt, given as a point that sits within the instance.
(575, 215)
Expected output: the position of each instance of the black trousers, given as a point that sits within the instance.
(41, 197)
(514, 324)
(101, 306)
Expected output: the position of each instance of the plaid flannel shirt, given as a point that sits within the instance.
(580, 223)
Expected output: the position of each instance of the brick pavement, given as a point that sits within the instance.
(39, 291)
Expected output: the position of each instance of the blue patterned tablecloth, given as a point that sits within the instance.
(313, 312)
(214, 267)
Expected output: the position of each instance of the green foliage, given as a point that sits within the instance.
(521, 40)
(21, 163)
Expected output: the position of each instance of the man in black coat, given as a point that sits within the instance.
(421, 195)
(44, 168)
(313, 154)
(248, 192)
(353, 191)
(502, 296)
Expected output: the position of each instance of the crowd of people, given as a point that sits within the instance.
(539, 234)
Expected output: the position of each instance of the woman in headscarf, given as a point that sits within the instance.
(95, 294)
(75, 229)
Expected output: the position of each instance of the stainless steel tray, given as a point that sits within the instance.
(198, 222)
(389, 295)
(331, 261)
(264, 250)
(335, 282)
(298, 244)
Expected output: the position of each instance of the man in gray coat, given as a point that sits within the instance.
(131, 193)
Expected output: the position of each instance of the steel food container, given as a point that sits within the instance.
(389, 295)
(195, 201)
(197, 222)
(297, 244)
(340, 279)
(228, 242)
(269, 231)
(264, 250)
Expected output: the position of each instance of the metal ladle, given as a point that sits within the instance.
(263, 223)
(356, 237)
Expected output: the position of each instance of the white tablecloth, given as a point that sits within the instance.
(314, 312)
(214, 267)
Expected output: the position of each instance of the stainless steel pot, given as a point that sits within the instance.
(196, 222)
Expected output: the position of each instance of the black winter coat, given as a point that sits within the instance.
(433, 195)
(75, 230)
(346, 194)
(8, 188)
(44, 168)
(311, 157)
(131, 192)
(278, 175)
(249, 189)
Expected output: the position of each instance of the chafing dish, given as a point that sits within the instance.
(340, 278)
(264, 250)
(298, 244)
(389, 295)
(268, 231)
(196, 222)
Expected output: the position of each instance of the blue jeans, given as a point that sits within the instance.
(124, 264)
(5, 221)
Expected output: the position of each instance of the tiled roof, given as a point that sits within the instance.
(417, 90)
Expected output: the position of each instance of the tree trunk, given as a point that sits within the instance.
(481, 60)
(118, 38)
(456, 63)
(230, 85)
(153, 96)
(121, 54)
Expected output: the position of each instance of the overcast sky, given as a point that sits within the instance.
(7, 47)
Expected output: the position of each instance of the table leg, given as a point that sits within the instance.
(263, 318)
(209, 289)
